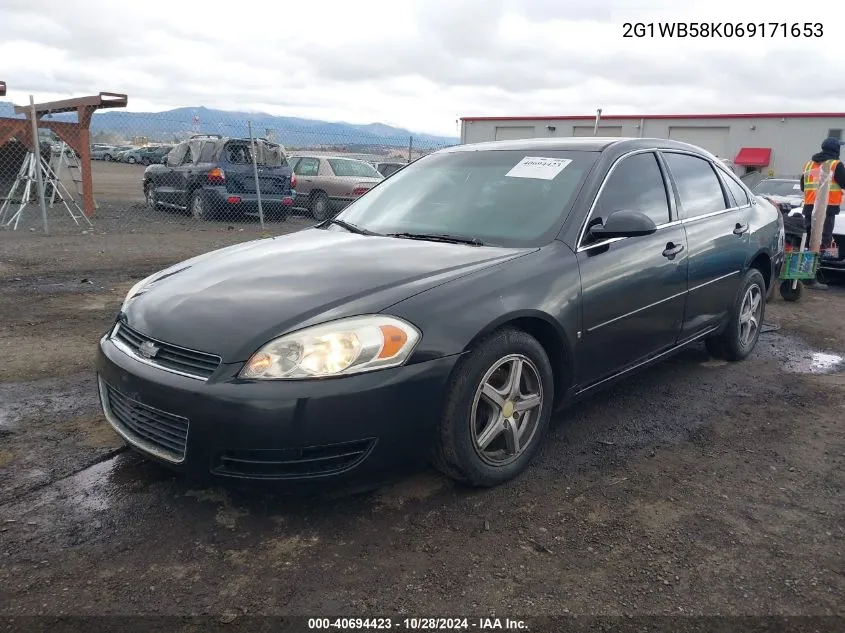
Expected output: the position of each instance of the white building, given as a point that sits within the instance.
(774, 144)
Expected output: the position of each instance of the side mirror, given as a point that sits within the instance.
(624, 224)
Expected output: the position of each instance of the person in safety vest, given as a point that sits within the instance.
(810, 183)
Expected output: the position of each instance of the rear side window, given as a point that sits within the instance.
(698, 186)
(737, 191)
(636, 184)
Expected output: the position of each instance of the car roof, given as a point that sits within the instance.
(357, 160)
(578, 143)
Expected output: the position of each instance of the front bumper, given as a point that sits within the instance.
(336, 429)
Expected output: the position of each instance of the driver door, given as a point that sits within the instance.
(633, 289)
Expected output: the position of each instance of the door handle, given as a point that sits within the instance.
(671, 250)
(739, 229)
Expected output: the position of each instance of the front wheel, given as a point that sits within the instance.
(743, 330)
(107, 157)
(497, 410)
(150, 196)
(131, 160)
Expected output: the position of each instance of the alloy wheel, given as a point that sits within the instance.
(749, 314)
(506, 409)
(197, 209)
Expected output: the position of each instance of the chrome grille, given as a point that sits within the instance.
(171, 357)
(155, 431)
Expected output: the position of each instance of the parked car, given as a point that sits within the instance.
(834, 267)
(327, 184)
(446, 313)
(786, 190)
(388, 168)
(108, 153)
(213, 176)
(145, 155)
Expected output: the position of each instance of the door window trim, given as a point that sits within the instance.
(673, 212)
(727, 195)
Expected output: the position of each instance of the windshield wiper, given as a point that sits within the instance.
(351, 227)
(439, 237)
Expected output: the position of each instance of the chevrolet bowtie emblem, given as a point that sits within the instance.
(148, 349)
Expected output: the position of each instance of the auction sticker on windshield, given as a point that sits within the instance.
(538, 167)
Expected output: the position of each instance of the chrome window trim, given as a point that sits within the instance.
(716, 169)
(131, 353)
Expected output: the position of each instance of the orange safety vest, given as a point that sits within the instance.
(812, 178)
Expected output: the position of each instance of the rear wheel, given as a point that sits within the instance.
(107, 157)
(497, 410)
(198, 210)
(320, 206)
(740, 336)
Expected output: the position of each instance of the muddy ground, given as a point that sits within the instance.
(696, 487)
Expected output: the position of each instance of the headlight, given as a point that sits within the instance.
(338, 348)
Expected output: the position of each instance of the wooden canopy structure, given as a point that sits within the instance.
(74, 134)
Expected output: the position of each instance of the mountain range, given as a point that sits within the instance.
(176, 124)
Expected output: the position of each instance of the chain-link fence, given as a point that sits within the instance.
(186, 168)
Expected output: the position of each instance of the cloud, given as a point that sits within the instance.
(420, 64)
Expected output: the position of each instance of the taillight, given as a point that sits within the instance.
(233, 199)
(359, 191)
(216, 177)
(293, 181)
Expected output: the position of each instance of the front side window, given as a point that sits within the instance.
(635, 184)
(699, 188)
(502, 197)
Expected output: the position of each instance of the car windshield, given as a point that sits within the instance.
(504, 197)
(354, 168)
(778, 188)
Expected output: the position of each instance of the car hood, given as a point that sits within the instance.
(229, 302)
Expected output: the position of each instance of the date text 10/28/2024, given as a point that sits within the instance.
(417, 624)
(723, 29)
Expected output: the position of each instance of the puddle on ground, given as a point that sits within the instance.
(50, 397)
(815, 363)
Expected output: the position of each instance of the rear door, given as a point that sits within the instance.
(633, 289)
(718, 234)
(307, 168)
(186, 173)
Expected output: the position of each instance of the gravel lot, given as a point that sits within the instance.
(696, 487)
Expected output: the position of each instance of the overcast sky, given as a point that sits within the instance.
(418, 64)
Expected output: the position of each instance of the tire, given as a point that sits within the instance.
(198, 206)
(107, 157)
(320, 206)
(740, 336)
(458, 453)
(131, 160)
(790, 294)
(150, 194)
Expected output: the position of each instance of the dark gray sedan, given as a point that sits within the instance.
(444, 315)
